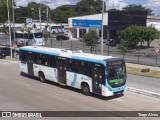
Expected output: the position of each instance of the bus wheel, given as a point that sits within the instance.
(85, 89)
(42, 77)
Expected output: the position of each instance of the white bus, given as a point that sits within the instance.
(102, 75)
(24, 38)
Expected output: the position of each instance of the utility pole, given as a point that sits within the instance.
(9, 28)
(47, 16)
(102, 28)
(40, 15)
(13, 21)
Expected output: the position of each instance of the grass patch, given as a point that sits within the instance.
(137, 71)
(11, 59)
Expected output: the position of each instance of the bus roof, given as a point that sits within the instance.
(31, 31)
(62, 52)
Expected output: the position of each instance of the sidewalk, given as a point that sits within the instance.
(142, 66)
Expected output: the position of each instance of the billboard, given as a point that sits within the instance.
(86, 23)
(118, 20)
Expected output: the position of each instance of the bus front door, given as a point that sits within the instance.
(97, 76)
(30, 63)
(62, 71)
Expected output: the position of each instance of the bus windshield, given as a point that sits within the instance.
(18, 35)
(116, 73)
(38, 35)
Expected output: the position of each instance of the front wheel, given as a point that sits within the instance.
(85, 89)
(42, 77)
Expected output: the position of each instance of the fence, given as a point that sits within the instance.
(139, 55)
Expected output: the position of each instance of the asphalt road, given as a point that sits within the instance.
(22, 93)
(144, 83)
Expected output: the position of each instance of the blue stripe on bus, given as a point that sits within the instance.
(88, 59)
(39, 51)
(74, 80)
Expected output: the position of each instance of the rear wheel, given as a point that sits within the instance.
(85, 89)
(42, 77)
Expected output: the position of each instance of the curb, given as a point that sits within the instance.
(9, 61)
(143, 92)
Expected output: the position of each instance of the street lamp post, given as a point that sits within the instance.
(9, 28)
(102, 28)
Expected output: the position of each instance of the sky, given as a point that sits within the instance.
(118, 4)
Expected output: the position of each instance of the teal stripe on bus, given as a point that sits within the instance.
(74, 80)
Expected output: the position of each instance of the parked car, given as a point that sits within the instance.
(62, 37)
(6, 51)
(112, 42)
(99, 40)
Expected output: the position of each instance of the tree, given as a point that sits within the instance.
(134, 7)
(85, 7)
(4, 10)
(150, 34)
(131, 35)
(123, 48)
(90, 38)
(134, 34)
(62, 13)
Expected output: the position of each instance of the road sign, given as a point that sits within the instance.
(28, 20)
(156, 50)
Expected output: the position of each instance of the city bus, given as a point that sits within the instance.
(102, 75)
(24, 38)
(57, 29)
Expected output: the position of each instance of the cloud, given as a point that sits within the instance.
(115, 4)
(21, 3)
(51, 3)
(110, 4)
(154, 5)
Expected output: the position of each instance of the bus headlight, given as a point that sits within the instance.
(109, 88)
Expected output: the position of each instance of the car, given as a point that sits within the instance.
(112, 42)
(99, 40)
(62, 37)
(6, 51)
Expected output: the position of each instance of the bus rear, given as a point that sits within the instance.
(39, 39)
(115, 78)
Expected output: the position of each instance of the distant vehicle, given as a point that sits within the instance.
(102, 75)
(112, 42)
(24, 38)
(99, 40)
(57, 29)
(62, 37)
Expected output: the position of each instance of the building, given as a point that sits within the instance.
(113, 23)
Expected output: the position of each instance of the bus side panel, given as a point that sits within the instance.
(75, 80)
(50, 73)
(23, 67)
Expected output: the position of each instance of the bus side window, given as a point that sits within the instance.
(89, 69)
(52, 61)
(82, 66)
(75, 66)
(70, 65)
(43, 59)
(36, 58)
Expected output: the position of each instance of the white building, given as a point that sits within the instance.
(78, 28)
